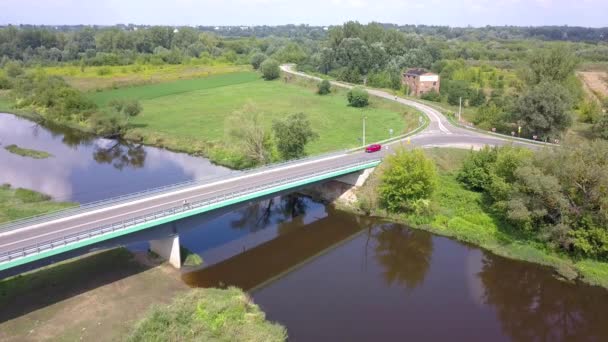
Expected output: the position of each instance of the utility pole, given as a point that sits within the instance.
(460, 109)
(364, 130)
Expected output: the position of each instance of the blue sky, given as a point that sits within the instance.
(590, 13)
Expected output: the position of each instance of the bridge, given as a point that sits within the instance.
(37, 238)
(41, 237)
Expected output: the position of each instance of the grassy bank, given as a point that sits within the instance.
(191, 115)
(208, 315)
(118, 289)
(26, 152)
(19, 203)
(465, 215)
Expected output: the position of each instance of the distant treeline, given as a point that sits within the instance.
(556, 33)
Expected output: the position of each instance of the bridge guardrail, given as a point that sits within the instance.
(156, 191)
(40, 247)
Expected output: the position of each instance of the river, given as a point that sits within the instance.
(327, 275)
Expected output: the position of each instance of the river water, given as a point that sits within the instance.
(325, 274)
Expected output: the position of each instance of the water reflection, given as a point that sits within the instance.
(404, 254)
(533, 306)
(120, 154)
(85, 169)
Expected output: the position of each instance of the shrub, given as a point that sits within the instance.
(324, 87)
(208, 315)
(13, 69)
(5, 82)
(257, 60)
(408, 181)
(358, 97)
(431, 96)
(270, 69)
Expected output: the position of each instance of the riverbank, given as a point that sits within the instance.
(464, 215)
(21, 203)
(103, 296)
(194, 115)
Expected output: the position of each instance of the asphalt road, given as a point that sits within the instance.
(439, 133)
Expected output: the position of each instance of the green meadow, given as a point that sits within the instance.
(192, 115)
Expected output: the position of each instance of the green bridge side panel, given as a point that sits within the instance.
(163, 220)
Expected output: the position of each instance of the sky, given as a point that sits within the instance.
(591, 13)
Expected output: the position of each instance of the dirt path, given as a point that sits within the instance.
(94, 298)
(595, 82)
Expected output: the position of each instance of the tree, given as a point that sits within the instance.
(589, 111)
(431, 96)
(270, 69)
(324, 87)
(478, 98)
(407, 181)
(457, 90)
(544, 110)
(257, 60)
(13, 69)
(358, 97)
(246, 127)
(601, 126)
(128, 108)
(292, 134)
(554, 65)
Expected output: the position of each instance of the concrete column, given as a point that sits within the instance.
(356, 179)
(168, 249)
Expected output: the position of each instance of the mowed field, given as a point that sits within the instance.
(186, 114)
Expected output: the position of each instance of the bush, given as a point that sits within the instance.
(5, 82)
(408, 181)
(270, 69)
(13, 69)
(208, 315)
(358, 97)
(324, 87)
(104, 71)
(257, 60)
(431, 96)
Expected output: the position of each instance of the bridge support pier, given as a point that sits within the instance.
(168, 249)
(356, 179)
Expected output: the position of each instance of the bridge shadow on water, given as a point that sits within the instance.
(29, 292)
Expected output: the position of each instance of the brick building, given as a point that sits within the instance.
(420, 81)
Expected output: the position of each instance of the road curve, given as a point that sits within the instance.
(440, 132)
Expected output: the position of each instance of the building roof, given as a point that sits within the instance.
(417, 72)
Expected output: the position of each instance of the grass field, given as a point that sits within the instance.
(20, 203)
(465, 215)
(191, 115)
(107, 77)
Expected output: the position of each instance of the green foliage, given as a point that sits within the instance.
(558, 195)
(358, 97)
(431, 96)
(589, 111)
(544, 110)
(208, 315)
(257, 60)
(478, 98)
(5, 82)
(408, 181)
(129, 108)
(246, 128)
(270, 69)
(457, 90)
(292, 135)
(601, 126)
(490, 115)
(51, 96)
(554, 65)
(324, 87)
(476, 169)
(13, 69)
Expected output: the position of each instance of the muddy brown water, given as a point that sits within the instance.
(328, 275)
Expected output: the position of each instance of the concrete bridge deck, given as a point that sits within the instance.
(55, 234)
